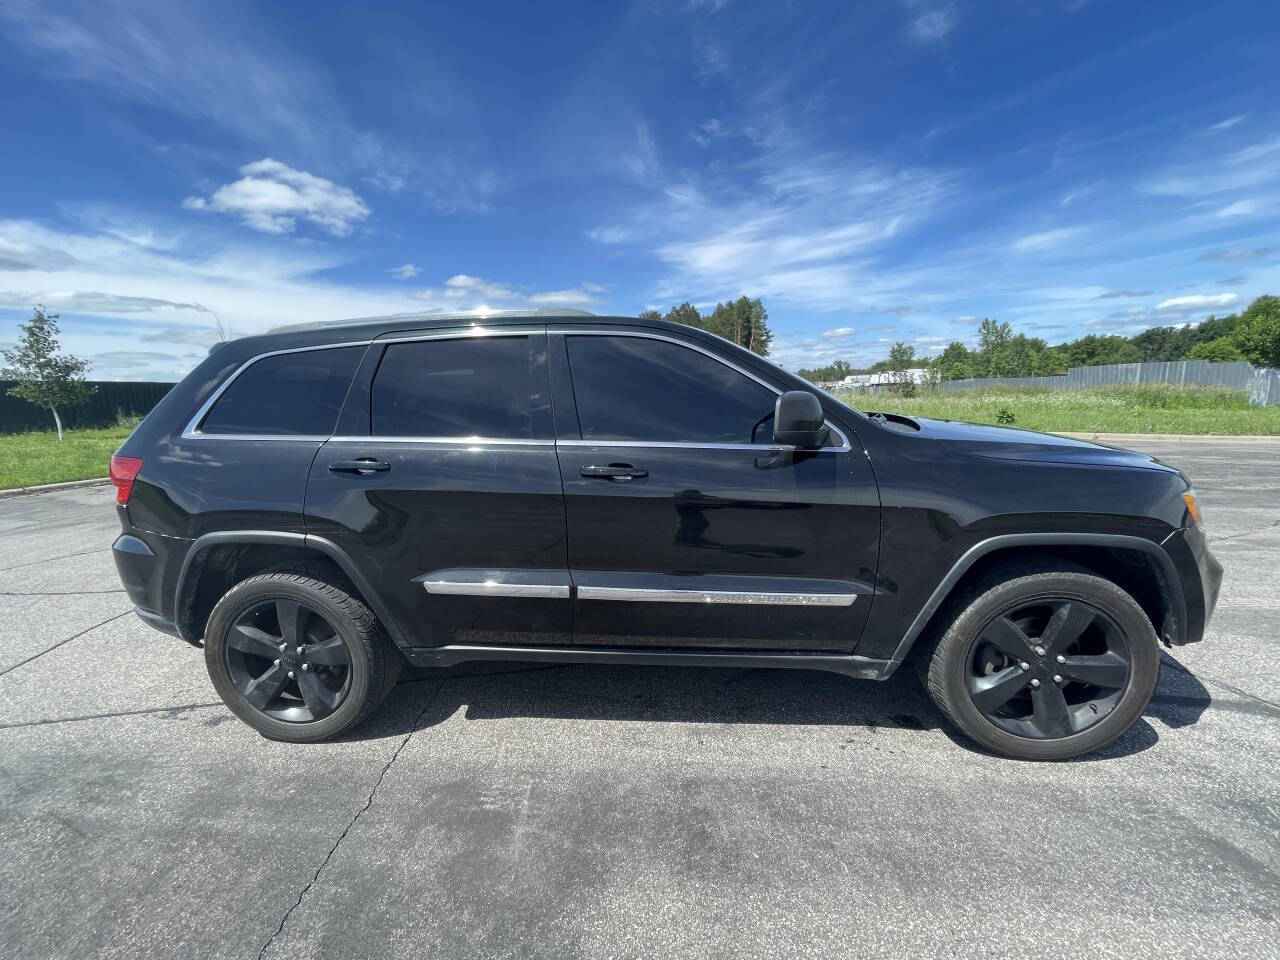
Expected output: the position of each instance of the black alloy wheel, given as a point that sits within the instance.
(1049, 668)
(287, 661)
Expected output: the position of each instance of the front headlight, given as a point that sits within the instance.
(1193, 508)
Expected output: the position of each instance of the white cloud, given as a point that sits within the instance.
(1046, 239)
(930, 23)
(784, 223)
(82, 301)
(583, 296)
(1241, 208)
(1197, 301)
(1228, 123)
(462, 285)
(1079, 193)
(405, 271)
(839, 333)
(114, 294)
(272, 196)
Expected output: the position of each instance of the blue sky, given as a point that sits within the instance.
(874, 171)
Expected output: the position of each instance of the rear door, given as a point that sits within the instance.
(442, 486)
(686, 525)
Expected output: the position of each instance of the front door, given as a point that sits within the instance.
(686, 525)
(442, 486)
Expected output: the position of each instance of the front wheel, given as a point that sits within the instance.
(297, 658)
(1045, 664)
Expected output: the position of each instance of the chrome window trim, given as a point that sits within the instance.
(454, 441)
(566, 330)
(685, 445)
(652, 595)
(192, 430)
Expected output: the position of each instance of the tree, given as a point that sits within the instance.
(650, 314)
(955, 362)
(1222, 350)
(993, 335)
(744, 321)
(686, 313)
(45, 377)
(901, 359)
(1258, 332)
(1094, 350)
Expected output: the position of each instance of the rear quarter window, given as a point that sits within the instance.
(289, 394)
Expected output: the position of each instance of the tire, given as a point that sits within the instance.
(972, 662)
(350, 690)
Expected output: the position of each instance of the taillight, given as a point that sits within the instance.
(123, 472)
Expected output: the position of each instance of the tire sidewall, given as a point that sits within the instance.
(237, 601)
(1140, 638)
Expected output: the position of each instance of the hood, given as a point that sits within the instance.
(1009, 443)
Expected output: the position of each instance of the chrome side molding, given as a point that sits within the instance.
(650, 595)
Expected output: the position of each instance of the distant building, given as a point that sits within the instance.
(866, 381)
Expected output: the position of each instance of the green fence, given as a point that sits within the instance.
(113, 399)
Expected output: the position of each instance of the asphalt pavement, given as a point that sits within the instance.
(623, 812)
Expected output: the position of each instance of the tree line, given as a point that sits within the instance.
(1253, 335)
(744, 321)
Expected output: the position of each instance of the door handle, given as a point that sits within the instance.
(362, 467)
(621, 472)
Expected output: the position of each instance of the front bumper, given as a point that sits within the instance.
(1200, 576)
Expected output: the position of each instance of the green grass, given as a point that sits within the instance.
(1139, 409)
(27, 459)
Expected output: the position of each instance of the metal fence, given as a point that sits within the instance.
(1262, 383)
(113, 399)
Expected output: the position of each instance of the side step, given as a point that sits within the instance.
(862, 667)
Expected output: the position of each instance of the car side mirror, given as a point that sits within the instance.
(798, 420)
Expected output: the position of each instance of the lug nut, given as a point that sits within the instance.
(1040, 651)
(299, 649)
(283, 647)
(1057, 678)
(1034, 683)
(1061, 658)
(1024, 665)
(277, 663)
(306, 666)
(290, 674)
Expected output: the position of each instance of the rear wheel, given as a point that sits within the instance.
(297, 658)
(1045, 664)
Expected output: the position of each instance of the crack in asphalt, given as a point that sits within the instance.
(174, 710)
(36, 656)
(65, 556)
(1205, 678)
(55, 593)
(368, 802)
(1248, 533)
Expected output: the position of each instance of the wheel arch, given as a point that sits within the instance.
(216, 561)
(1139, 566)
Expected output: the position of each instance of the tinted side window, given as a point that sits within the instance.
(292, 393)
(634, 388)
(471, 387)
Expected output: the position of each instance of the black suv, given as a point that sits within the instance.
(321, 504)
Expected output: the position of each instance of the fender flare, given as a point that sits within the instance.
(1005, 541)
(281, 538)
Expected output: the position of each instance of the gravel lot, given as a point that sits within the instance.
(619, 811)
